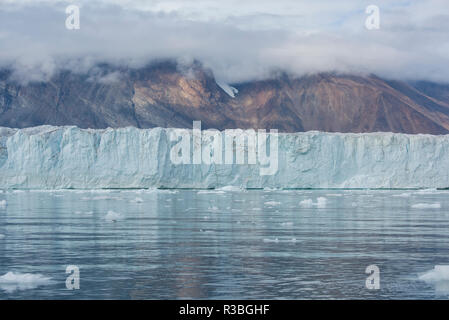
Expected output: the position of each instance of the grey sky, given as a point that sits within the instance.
(239, 40)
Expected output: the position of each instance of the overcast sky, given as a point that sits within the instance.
(240, 40)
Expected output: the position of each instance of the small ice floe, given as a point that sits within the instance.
(438, 273)
(427, 191)
(2, 236)
(87, 213)
(286, 224)
(403, 195)
(308, 203)
(137, 200)
(321, 202)
(207, 231)
(12, 281)
(275, 240)
(210, 192)
(256, 209)
(112, 216)
(100, 198)
(102, 191)
(272, 203)
(167, 191)
(439, 277)
(213, 208)
(427, 206)
(2, 203)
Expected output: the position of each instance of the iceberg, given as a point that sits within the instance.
(49, 157)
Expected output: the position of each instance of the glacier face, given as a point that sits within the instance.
(50, 157)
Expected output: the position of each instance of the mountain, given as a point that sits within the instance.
(167, 95)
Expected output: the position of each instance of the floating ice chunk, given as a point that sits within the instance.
(207, 231)
(2, 236)
(403, 195)
(113, 216)
(100, 198)
(427, 191)
(2, 203)
(12, 281)
(213, 208)
(275, 240)
(137, 200)
(426, 206)
(308, 203)
(210, 192)
(438, 273)
(84, 212)
(272, 203)
(321, 202)
(163, 191)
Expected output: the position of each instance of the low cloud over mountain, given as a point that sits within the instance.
(239, 40)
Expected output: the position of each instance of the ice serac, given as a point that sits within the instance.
(50, 157)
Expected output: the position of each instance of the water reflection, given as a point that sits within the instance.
(220, 244)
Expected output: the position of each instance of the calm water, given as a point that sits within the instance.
(222, 244)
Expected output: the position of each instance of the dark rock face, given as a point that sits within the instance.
(165, 95)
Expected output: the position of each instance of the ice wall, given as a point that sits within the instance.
(49, 157)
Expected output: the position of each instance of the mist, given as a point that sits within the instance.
(239, 40)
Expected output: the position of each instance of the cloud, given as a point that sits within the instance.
(238, 40)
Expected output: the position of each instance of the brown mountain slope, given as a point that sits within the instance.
(168, 96)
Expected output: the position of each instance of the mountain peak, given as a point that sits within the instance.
(168, 94)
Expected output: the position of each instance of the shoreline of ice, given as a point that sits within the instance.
(49, 157)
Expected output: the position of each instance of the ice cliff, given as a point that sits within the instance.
(49, 157)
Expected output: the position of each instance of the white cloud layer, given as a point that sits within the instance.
(239, 40)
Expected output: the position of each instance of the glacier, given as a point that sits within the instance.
(49, 157)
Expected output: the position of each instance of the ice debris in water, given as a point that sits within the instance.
(12, 281)
(308, 203)
(113, 216)
(438, 273)
(426, 206)
(272, 203)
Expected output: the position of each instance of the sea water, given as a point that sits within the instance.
(224, 244)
